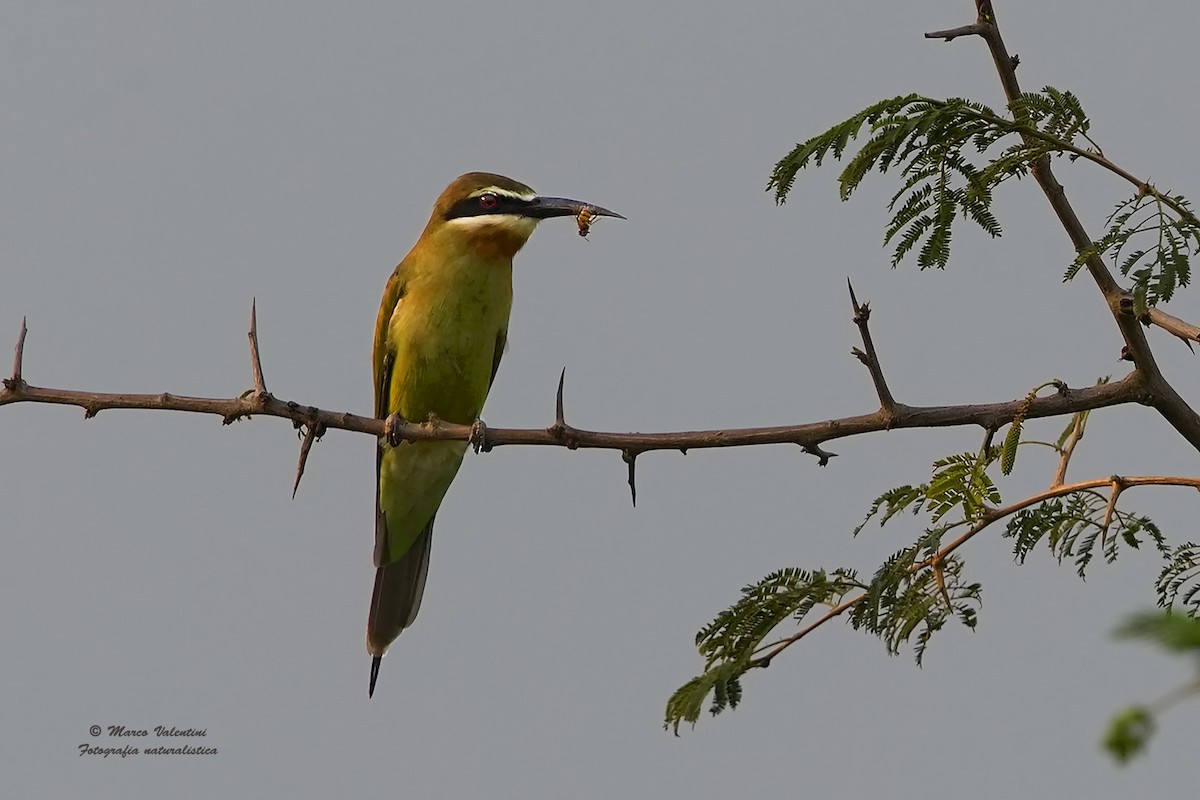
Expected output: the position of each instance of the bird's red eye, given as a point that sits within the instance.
(488, 200)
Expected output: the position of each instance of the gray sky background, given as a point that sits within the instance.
(163, 163)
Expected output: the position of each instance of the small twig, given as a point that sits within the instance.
(16, 382)
(260, 384)
(1174, 325)
(953, 33)
(1176, 695)
(989, 436)
(1118, 485)
(762, 662)
(1064, 458)
(862, 316)
(313, 431)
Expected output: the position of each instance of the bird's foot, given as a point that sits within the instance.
(478, 439)
(392, 428)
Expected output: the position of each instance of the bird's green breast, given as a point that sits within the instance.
(444, 333)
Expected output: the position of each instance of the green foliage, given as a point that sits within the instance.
(1129, 733)
(1157, 267)
(924, 139)
(1180, 579)
(1075, 525)
(952, 154)
(892, 502)
(731, 640)
(688, 701)
(735, 633)
(1171, 632)
(921, 587)
(961, 481)
(906, 598)
(1130, 730)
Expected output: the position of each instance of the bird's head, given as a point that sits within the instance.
(496, 214)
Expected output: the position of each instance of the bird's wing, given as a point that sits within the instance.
(497, 354)
(385, 359)
(393, 295)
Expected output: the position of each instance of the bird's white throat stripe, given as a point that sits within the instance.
(496, 190)
(511, 222)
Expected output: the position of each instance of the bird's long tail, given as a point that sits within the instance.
(397, 598)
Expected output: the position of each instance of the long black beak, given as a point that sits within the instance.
(546, 207)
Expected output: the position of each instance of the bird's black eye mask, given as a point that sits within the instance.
(487, 203)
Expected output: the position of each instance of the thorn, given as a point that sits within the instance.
(559, 417)
(16, 381)
(315, 431)
(260, 384)
(630, 458)
(560, 429)
(374, 675)
(862, 311)
(823, 456)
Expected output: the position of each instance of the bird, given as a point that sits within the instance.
(439, 338)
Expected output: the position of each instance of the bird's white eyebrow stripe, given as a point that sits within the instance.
(503, 193)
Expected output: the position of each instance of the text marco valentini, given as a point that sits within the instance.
(161, 731)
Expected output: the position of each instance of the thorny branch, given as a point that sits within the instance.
(1160, 393)
(1163, 396)
(809, 436)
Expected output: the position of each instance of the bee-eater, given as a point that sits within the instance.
(439, 337)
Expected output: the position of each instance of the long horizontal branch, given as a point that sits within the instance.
(810, 434)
